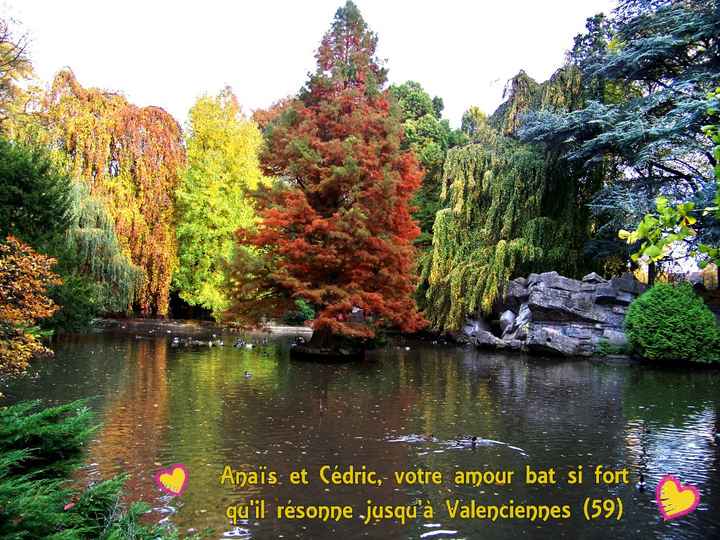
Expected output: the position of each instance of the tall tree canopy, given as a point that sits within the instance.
(130, 158)
(15, 65)
(648, 69)
(430, 137)
(336, 229)
(42, 206)
(223, 166)
(35, 196)
(509, 208)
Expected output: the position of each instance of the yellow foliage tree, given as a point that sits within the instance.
(223, 166)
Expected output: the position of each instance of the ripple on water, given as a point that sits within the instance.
(160, 405)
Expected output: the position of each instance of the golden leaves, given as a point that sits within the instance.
(131, 158)
(24, 279)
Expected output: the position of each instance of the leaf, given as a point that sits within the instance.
(653, 252)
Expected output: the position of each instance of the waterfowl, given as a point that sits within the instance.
(465, 441)
(641, 483)
(248, 374)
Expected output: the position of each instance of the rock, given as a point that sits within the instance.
(545, 339)
(472, 326)
(516, 293)
(535, 278)
(483, 339)
(579, 331)
(507, 320)
(605, 293)
(628, 283)
(615, 337)
(592, 277)
(549, 313)
(524, 315)
(554, 280)
(564, 284)
(514, 344)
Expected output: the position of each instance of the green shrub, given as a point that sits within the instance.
(78, 297)
(39, 451)
(670, 322)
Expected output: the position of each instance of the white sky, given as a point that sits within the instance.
(167, 53)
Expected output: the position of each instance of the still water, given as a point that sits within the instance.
(403, 410)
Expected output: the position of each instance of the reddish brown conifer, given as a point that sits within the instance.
(336, 228)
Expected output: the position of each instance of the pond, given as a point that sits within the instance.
(402, 410)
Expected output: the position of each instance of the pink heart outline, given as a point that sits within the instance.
(169, 470)
(680, 489)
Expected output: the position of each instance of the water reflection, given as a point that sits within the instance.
(403, 410)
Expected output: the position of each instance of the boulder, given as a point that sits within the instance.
(516, 293)
(592, 277)
(483, 339)
(546, 339)
(615, 337)
(507, 320)
(524, 315)
(552, 314)
(628, 283)
(605, 293)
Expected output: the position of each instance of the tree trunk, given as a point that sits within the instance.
(651, 272)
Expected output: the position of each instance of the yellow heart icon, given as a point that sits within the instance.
(172, 480)
(675, 500)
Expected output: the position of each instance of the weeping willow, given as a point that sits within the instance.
(509, 208)
(564, 90)
(92, 240)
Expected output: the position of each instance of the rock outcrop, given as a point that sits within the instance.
(549, 313)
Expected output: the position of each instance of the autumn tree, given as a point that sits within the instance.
(25, 277)
(336, 228)
(223, 165)
(130, 158)
(15, 65)
(42, 206)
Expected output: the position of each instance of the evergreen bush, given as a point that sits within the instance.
(670, 322)
(39, 450)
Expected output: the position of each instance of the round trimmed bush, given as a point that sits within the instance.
(671, 322)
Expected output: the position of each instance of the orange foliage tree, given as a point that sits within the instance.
(336, 229)
(24, 279)
(131, 157)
